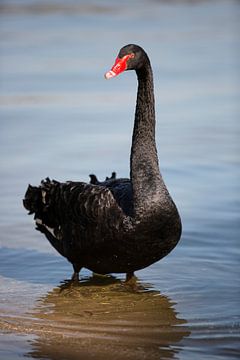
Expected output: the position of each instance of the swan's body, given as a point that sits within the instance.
(118, 225)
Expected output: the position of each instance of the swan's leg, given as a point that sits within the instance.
(130, 276)
(76, 270)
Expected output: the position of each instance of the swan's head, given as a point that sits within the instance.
(130, 57)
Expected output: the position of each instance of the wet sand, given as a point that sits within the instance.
(100, 318)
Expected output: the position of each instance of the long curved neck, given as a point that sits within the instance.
(149, 190)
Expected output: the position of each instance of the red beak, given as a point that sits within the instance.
(119, 66)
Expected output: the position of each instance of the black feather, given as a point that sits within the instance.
(117, 225)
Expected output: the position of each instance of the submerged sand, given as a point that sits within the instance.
(99, 319)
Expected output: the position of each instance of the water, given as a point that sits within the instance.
(60, 118)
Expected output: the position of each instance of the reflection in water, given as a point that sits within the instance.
(104, 318)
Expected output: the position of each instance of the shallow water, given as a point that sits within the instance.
(59, 118)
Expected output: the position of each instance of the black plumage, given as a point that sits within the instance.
(94, 180)
(117, 225)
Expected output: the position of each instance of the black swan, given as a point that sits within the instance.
(118, 225)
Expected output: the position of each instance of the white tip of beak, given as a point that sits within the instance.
(109, 74)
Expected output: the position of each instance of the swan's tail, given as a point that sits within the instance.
(39, 201)
(33, 199)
